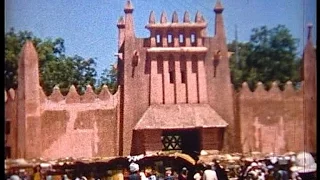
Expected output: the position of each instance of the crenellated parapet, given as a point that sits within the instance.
(74, 98)
(274, 93)
(56, 95)
(71, 98)
(10, 95)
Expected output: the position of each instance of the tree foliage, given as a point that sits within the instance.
(269, 56)
(109, 78)
(55, 67)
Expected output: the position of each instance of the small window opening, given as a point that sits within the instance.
(8, 152)
(183, 77)
(171, 74)
(8, 128)
(170, 38)
(193, 40)
(181, 39)
(158, 39)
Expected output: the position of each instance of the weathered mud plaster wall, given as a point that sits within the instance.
(271, 121)
(78, 126)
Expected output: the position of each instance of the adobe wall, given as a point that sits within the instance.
(146, 141)
(212, 138)
(11, 115)
(270, 121)
(79, 126)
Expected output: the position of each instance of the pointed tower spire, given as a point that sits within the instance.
(28, 103)
(175, 18)
(186, 17)
(121, 26)
(163, 18)
(198, 17)
(128, 20)
(310, 31)
(128, 8)
(120, 22)
(218, 8)
(152, 18)
(310, 93)
(219, 26)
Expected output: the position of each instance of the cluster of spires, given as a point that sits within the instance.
(163, 18)
(72, 96)
(186, 18)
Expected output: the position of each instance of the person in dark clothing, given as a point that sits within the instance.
(184, 174)
(282, 173)
(221, 173)
(308, 176)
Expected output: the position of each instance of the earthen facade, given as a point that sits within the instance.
(175, 92)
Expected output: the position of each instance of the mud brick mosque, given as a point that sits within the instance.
(175, 93)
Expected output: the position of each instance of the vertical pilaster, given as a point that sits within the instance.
(175, 38)
(191, 82)
(202, 83)
(199, 39)
(168, 87)
(187, 37)
(180, 88)
(153, 39)
(156, 81)
(164, 38)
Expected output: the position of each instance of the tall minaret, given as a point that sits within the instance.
(309, 94)
(129, 27)
(220, 89)
(219, 25)
(28, 106)
(127, 83)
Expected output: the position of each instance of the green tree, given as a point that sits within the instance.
(269, 56)
(55, 67)
(109, 78)
(47, 51)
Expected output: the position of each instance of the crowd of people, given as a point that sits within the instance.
(300, 167)
(296, 167)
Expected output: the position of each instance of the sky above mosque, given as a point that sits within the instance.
(89, 27)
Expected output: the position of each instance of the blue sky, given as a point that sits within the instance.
(89, 26)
